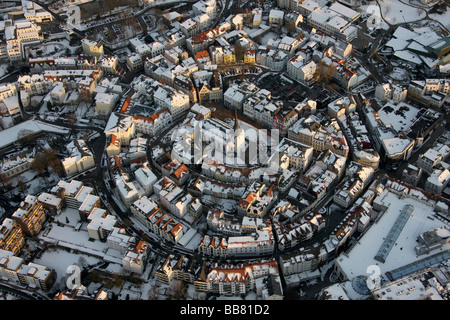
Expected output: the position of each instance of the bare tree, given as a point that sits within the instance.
(324, 72)
(153, 293)
(177, 290)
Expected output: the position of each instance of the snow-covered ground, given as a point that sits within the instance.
(396, 12)
(442, 18)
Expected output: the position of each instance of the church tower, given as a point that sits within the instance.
(240, 142)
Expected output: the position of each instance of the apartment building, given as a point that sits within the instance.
(334, 23)
(174, 100)
(146, 179)
(80, 158)
(391, 91)
(276, 18)
(92, 48)
(274, 59)
(127, 191)
(30, 216)
(31, 275)
(35, 84)
(303, 261)
(432, 157)
(301, 70)
(437, 181)
(299, 155)
(105, 103)
(257, 200)
(135, 62)
(12, 237)
(109, 65)
(100, 224)
(118, 239)
(73, 193)
(142, 209)
(51, 203)
(91, 202)
(261, 243)
(17, 35)
(135, 260)
(411, 175)
(35, 276)
(122, 126)
(154, 124)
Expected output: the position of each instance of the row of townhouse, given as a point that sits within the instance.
(108, 64)
(391, 91)
(233, 280)
(35, 84)
(356, 220)
(166, 68)
(203, 40)
(203, 18)
(150, 214)
(176, 171)
(357, 135)
(202, 186)
(322, 176)
(259, 243)
(227, 224)
(15, 165)
(271, 114)
(175, 100)
(321, 133)
(274, 59)
(166, 40)
(357, 178)
(287, 44)
(295, 232)
(223, 279)
(302, 261)
(237, 93)
(430, 92)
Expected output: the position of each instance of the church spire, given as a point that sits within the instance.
(236, 121)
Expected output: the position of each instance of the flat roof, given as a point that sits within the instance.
(362, 256)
